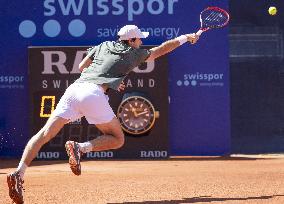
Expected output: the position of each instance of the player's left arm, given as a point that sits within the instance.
(170, 45)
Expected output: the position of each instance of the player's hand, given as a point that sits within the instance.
(121, 87)
(192, 38)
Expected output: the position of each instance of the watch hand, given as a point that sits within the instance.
(134, 112)
(142, 113)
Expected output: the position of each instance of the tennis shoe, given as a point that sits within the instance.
(74, 153)
(15, 184)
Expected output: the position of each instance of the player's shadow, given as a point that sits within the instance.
(202, 199)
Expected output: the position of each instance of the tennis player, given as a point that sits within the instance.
(104, 68)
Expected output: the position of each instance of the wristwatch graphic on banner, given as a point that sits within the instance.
(136, 113)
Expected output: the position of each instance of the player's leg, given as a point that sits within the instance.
(49, 131)
(15, 179)
(95, 107)
(112, 138)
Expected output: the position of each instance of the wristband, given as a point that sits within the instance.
(182, 39)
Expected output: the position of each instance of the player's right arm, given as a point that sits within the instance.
(170, 45)
(88, 59)
(85, 63)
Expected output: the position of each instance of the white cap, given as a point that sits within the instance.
(131, 31)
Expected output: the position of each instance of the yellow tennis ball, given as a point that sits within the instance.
(272, 10)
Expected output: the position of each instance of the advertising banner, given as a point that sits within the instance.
(198, 80)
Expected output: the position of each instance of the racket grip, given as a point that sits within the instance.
(199, 32)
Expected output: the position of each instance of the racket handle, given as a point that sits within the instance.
(199, 32)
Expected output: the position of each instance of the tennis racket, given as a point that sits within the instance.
(213, 17)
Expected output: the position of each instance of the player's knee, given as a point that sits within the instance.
(119, 141)
(47, 135)
(41, 137)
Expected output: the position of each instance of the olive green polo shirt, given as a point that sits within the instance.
(111, 62)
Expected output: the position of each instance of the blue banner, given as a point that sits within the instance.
(198, 78)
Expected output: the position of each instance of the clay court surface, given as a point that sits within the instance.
(191, 180)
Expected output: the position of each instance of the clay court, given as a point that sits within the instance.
(223, 180)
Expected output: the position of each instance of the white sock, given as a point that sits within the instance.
(85, 147)
(22, 169)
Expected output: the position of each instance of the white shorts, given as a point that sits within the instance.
(85, 99)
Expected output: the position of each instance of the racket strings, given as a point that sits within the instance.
(213, 19)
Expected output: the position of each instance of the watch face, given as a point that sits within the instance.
(136, 115)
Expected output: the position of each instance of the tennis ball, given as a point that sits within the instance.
(272, 10)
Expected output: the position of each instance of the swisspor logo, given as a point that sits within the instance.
(201, 79)
(54, 9)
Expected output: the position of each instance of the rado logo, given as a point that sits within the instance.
(56, 60)
(153, 154)
(48, 155)
(107, 154)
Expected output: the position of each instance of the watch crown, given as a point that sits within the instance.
(157, 114)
